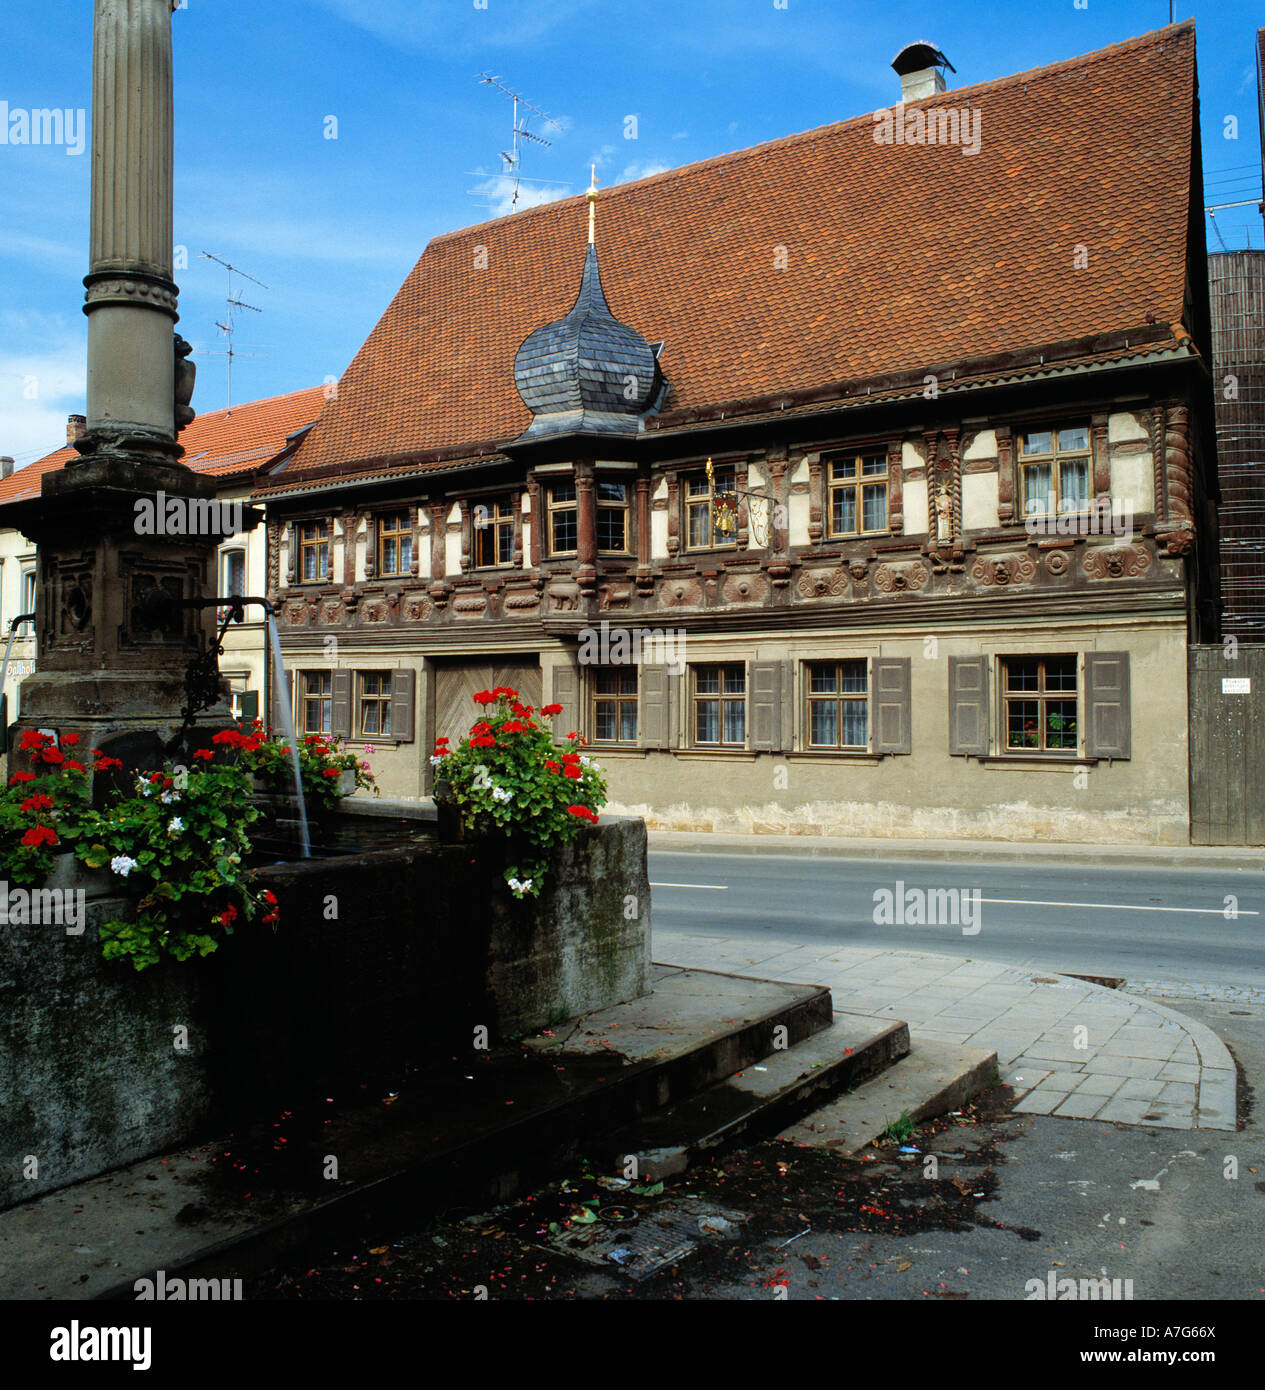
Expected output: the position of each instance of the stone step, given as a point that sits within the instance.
(759, 1100)
(932, 1080)
(518, 1118)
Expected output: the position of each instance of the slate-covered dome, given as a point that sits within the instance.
(586, 373)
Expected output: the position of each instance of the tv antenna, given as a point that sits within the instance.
(511, 158)
(232, 302)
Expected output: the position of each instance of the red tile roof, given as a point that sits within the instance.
(895, 256)
(220, 443)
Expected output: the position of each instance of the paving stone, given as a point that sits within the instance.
(1180, 1071)
(1179, 1093)
(1040, 1102)
(1141, 1088)
(1128, 1112)
(1081, 1107)
(1100, 1084)
(1145, 1067)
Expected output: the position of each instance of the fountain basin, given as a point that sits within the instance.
(380, 959)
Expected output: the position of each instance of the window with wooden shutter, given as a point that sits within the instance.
(1107, 714)
(766, 706)
(891, 703)
(1039, 699)
(403, 684)
(658, 707)
(340, 704)
(566, 692)
(968, 705)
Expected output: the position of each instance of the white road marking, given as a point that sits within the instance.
(712, 887)
(1122, 907)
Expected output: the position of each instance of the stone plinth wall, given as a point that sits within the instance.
(379, 960)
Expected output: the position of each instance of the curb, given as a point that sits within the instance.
(1236, 858)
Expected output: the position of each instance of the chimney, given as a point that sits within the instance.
(920, 68)
(76, 427)
(6, 467)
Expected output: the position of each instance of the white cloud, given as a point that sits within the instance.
(498, 192)
(43, 378)
(681, 135)
(458, 27)
(641, 171)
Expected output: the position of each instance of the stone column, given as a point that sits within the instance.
(131, 296)
(586, 526)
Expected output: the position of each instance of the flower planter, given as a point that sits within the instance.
(72, 875)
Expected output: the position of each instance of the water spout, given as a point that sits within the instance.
(287, 719)
(8, 646)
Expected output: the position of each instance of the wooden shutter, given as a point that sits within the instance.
(968, 705)
(889, 705)
(403, 683)
(249, 701)
(566, 692)
(340, 713)
(656, 715)
(766, 706)
(1107, 719)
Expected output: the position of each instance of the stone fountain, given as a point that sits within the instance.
(398, 952)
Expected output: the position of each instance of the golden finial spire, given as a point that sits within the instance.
(591, 195)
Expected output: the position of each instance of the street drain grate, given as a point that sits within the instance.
(661, 1238)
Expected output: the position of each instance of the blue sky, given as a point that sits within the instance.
(332, 226)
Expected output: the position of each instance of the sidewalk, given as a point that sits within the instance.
(1230, 857)
(1067, 1047)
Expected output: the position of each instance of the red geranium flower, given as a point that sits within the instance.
(485, 697)
(573, 770)
(445, 739)
(69, 740)
(22, 777)
(206, 754)
(32, 738)
(332, 772)
(271, 918)
(583, 813)
(72, 766)
(553, 767)
(269, 897)
(39, 835)
(52, 755)
(228, 916)
(573, 736)
(38, 802)
(104, 764)
(484, 742)
(227, 736)
(551, 710)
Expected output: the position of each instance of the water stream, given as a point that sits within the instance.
(8, 649)
(287, 720)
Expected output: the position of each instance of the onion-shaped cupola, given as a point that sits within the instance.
(587, 373)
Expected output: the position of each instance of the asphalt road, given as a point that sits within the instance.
(1166, 924)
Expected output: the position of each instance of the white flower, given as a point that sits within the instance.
(168, 797)
(520, 888)
(175, 825)
(434, 761)
(500, 794)
(121, 864)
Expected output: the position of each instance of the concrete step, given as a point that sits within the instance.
(932, 1080)
(758, 1101)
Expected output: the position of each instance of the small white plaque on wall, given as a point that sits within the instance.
(1236, 685)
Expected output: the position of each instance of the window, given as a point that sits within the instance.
(493, 521)
(562, 518)
(233, 573)
(612, 518)
(374, 703)
(313, 552)
(1055, 469)
(395, 544)
(1039, 704)
(708, 526)
(615, 704)
(857, 484)
(838, 704)
(317, 697)
(28, 600)
(720, 705)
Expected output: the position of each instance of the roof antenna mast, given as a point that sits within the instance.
(231, 303)
(511, 158)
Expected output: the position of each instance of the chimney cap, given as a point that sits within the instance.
(915, 57)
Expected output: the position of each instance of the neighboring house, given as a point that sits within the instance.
(909, 364)
(1237, 282)
(238, 447)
